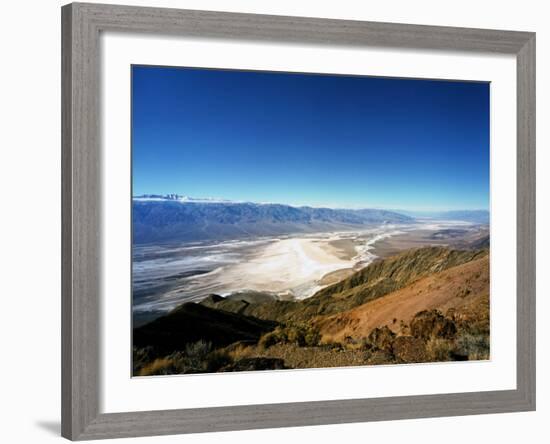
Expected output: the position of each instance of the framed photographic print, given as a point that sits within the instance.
(278, 221)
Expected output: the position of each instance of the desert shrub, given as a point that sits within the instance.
(216, 360)
(273, 337)
(312, 337)
(295, 335)
(475, 347)
(475, 323)
(239, 350)
(162, 366)
(174, 363)
(301, 335)
(267, 340)
(196, 353)
(440, 349)
(142, 357)
(298, 334)
(198, 349)
(197, 357)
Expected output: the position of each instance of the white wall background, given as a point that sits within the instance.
(30, 219)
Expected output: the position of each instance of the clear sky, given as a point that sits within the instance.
(302, 139)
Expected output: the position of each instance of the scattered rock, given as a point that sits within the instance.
(250, 364)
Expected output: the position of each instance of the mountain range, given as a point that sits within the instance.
(167, 218)
(473, 216)
(175, 218)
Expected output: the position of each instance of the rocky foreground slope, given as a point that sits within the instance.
(452, 289)
(423, 305)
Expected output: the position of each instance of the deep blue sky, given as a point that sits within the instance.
(300, 139)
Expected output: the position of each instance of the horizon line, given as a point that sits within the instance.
(188, 199)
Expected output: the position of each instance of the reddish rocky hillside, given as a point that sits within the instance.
(456, 288)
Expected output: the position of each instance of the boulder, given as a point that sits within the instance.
(432, 324)
(381, 338)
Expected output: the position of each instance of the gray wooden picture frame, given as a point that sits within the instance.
(81, 171)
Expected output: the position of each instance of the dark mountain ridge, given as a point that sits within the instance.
(192, 322)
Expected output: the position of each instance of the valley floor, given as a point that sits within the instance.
(422, 305)
(292, 267)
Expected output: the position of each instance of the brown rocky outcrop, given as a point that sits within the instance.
(432, 324)
(381, 338)
(409, 349)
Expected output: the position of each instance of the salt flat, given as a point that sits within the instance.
(286, 266)
(292, 267)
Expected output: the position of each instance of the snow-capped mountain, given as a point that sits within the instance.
(162, 218)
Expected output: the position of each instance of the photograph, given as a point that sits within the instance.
(285, 221)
